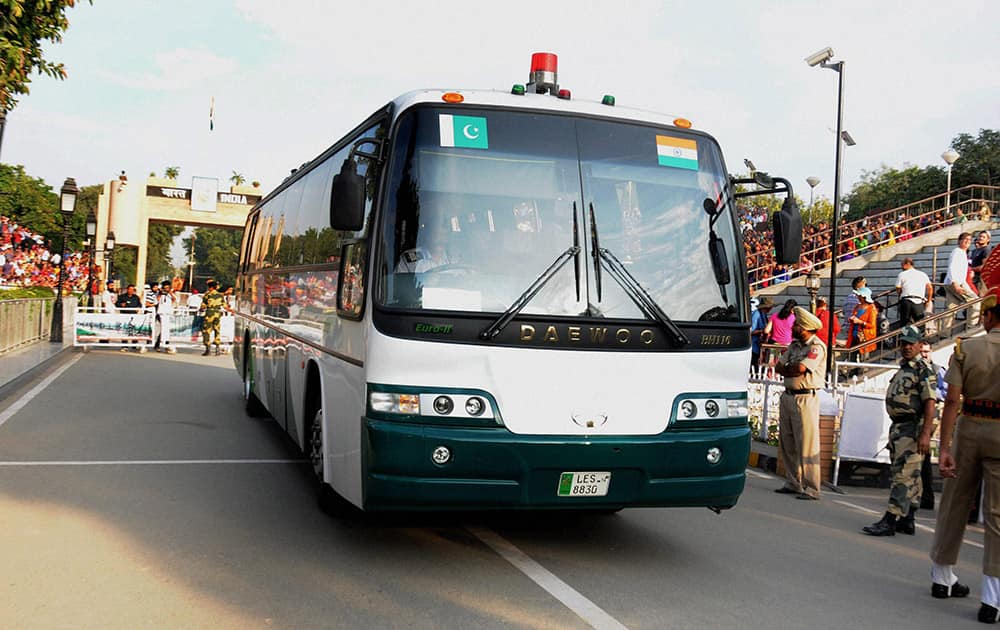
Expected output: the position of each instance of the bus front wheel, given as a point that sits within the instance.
(329, 501)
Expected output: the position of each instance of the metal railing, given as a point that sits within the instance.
(24, 321)
(909, 221)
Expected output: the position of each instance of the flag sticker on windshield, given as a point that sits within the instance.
(677, 152)
(464, 132)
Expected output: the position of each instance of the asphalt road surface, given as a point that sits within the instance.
(134, 492)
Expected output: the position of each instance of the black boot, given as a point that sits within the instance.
(988, 614)
(885, 527)
(940, 591)
(205, 353)
(216, 350)
(927, 502)
(906, 525)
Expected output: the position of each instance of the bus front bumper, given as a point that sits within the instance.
(496, 469)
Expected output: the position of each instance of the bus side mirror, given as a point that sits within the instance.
(347, 201)
(788, 233)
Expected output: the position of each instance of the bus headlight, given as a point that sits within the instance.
(386, 402)
(688, 408)
(474, 406)
(738, 407)
(443, 405)
(711, 408)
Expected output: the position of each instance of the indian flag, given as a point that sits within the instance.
(677, 152)
(467, 132)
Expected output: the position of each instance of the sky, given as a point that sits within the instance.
(289, 78)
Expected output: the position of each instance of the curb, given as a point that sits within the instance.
(43, 366)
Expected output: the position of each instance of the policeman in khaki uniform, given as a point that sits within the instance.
(974, 399)
(911, 402)
(212, 304)
(803, 365)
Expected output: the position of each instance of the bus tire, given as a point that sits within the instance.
(329, 501)
(252, 404)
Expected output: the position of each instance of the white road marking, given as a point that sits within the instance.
(921, 526)
(153, 462)
(571, 598)
(19, 404)
(759, 475)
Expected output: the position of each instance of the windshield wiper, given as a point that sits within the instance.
(573, 251)
(632, 287)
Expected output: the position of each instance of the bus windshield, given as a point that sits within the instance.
(481, 202)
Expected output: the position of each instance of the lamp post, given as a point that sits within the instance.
(822, 59)
(950, 156)
(813, 182)
(67, 205)
(191, 264)
(92, 243)
(812, 285)
(109, 251)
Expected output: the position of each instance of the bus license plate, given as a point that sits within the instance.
(584, 484)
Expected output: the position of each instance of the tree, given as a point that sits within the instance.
(237, 179)
(160, 239)
(216, 252)
(32, 203)
(889, 188)
(24, 25)
(172, 172)
(980, 159)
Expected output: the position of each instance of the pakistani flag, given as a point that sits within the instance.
(465, 132)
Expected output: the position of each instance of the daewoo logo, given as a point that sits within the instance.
(601, 335)
(590, 420)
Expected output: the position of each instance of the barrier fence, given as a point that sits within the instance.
(134, 328)
(24, 321)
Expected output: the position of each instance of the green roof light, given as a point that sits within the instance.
(608, 100)
(517, 89)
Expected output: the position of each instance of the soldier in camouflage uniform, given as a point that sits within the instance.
(911, 402)
(211, 307)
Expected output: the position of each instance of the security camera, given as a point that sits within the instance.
(817, 58)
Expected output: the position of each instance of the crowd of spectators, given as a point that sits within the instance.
(857, 238)
(26, 260)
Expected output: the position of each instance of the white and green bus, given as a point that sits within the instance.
(506, 300)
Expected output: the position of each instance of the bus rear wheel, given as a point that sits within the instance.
(252, 404)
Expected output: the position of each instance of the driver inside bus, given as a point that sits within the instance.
(433, 253)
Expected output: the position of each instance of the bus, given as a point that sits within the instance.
(516, 299)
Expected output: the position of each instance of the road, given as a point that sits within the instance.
(134, 492)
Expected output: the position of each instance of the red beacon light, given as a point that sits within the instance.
(544, 73)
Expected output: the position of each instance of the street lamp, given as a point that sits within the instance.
(813, 182)
(109, 251)
(949, 156)
(67, 205)
(92, 243)
(812, 285)
(822, 59)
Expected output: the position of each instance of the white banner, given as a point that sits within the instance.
(140, 328)
(204, 193)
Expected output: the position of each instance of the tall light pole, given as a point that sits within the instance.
(92, 243)
(950, 157)
(813, 182)
(109, 251)
(191, 264)
(822, 59)
(67, 205)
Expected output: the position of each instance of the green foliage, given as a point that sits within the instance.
(980, 159)
(216, 251)
(237, 179)
(32, 203)
(158, 266)
(889, 188)
(172, 172)
(24, 25)
(821, 210)
(27, 292)
(123, 268)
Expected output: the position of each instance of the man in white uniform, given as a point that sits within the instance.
(916, 293)
(957, 290)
